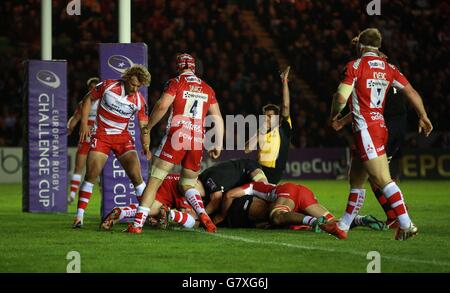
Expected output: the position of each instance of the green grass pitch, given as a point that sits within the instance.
(40, 242)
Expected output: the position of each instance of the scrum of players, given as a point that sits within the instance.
(237, 193)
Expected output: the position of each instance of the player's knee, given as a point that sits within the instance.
(158, 173)
(381, 180)
(188, 183)
(356, 182)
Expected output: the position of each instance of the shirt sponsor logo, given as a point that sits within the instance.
(113, 104)
(376, 64)
(196, 96)
(167, 155)
(193, 78)
(374, 116)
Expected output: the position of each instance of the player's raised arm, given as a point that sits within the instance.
(219, 128)
(285, 105)
(416, 101)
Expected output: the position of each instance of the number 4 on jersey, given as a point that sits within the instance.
(194, 110)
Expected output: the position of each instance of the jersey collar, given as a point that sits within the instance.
(370, 54)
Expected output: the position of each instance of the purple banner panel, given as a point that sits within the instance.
(117, 189)
(306, 163)
(45, 150)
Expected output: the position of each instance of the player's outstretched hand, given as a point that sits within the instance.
(84, 132)
(214, 153)
(425, 126)
(285, 74)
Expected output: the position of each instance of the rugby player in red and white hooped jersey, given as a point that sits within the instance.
(83, 148)
(119, 100)
(367, 80)
(190, 100)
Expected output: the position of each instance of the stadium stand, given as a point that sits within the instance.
(244, 75)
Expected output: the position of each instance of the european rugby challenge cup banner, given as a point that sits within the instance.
(117, 189)
(45, 151)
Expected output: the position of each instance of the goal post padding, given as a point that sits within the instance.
(45, 157)
(117, 189)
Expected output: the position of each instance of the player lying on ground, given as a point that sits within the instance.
(288, 205)
(169, 206)
(190, 100)
(367, 80)
(119, 100)
(83, 147)
(223, 176)
(213, 182)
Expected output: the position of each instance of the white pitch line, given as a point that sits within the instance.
(394, 258)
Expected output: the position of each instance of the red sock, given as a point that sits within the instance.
(141, 216)
(84, 196)
(390, 214)
(74, 184)
(128, 211)
(354, 204)
(395, 199)
(182, 218)
(194, 199)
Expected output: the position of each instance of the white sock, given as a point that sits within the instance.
(308, 220)
(80, 213)
(140, 190)
(395, 198)
(128, 212)
(354, 204)
(182, 218)
(141, 216)
(194, 199)
(74, 187)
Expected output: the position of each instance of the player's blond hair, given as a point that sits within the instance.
(94, 79)
(140, 72)
(370, 37)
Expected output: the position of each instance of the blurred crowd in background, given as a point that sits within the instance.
(315, 37)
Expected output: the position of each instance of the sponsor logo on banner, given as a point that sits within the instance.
(119, 63)
(48, 78)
